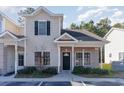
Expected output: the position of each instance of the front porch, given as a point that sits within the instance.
(71, 56)
(13, 52)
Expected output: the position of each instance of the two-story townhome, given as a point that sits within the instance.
(43, 41)
(114, 51)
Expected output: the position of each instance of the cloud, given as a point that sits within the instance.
(92, 13)
(79, 8)
(65, 16)
(118, 13)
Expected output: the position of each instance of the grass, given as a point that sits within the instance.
(34, 75)
(107, 66)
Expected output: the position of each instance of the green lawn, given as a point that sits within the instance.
(34, 75)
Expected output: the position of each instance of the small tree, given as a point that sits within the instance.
(28, 10)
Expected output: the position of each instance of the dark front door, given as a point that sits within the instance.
(66, 61)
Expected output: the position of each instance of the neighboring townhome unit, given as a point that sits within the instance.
(44, 42)
(114, 51)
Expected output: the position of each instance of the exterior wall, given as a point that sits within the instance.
(115, 46)
(9, 26)
(41, 43)
(10, 58)
(1, 58)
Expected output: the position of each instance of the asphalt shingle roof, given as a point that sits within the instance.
(79, 35)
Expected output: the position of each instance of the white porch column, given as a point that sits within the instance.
(59, 59)
(83, 57)
(73, 57)
(16, 58)
(25, 53)
(101, 57)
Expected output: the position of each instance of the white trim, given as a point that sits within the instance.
(101, 58)
(25, 54)
(56, 40)
(20, 53)
(83, 51)
(59, 59)
(44, 9)
(16, 58)
(8, 34)
(21, 39)
(70, 59)
(90, 57)
(3, 25)
(109, 32)
(39, 26)
(73, 61)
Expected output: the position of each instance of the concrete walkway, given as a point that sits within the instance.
(64, 76)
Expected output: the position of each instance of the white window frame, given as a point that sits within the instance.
(90, 58)
(76, 58)
(23, 58)
(50, 58)
(83, 60)
(120, 56)
(42, 55)
(39, 26)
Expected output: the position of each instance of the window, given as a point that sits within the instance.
(46, 58)
(42, 58)
(79, 58)
(110, 55)
(86, 58)
(42, 30)
(42, 27)
(20, 60)
(121, 56)
(37, 58)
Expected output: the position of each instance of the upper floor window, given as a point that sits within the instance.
(42, 27)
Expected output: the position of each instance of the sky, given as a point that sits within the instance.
(75, 14)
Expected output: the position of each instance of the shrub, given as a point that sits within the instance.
(100, 71)
(50, 70)
(27, 70)
(78, 70)
(88, 70)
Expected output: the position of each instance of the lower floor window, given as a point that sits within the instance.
(42, 58)
(20, 60)
(80, 58)
(87, 58)
(121, 56)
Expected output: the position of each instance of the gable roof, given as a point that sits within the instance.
(8, 18)
(12, 35)
(69, 36)
(83, 35)
(112, 29)
(44, 9)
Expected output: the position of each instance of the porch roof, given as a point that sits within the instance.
(12, 35)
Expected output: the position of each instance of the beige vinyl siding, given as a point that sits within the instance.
(10, 26)
(40, 43)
